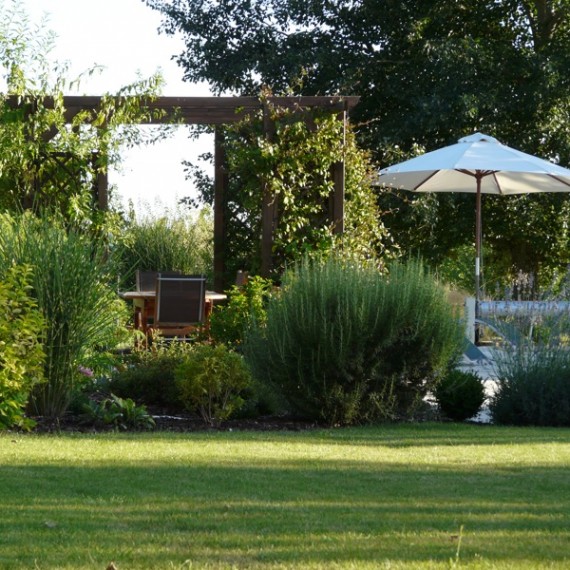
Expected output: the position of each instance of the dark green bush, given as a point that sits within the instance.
(211, 380)
(147, 376)
(460, 395)
(344, 343)
(533, 386)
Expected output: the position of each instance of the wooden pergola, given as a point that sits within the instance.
(219, 111)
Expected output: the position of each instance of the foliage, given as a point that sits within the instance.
(181, 243)
(245, 304)
(344, 343)
(147, 375)
(427, 73)
(73, 283)
(460, 395)
(291, 160)
(533, 384)
(49, 160)
(21, 352)
(118, 412)
(211, 381)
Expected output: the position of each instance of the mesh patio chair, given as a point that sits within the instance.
(146, 280)
(180, 305)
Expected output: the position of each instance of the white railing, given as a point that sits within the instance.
(509, 308)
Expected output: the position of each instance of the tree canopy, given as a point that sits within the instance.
(427, 71)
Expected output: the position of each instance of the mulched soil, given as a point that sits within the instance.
(178, 422)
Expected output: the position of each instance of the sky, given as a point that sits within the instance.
(122, 36)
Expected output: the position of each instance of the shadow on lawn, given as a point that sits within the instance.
(292, 512)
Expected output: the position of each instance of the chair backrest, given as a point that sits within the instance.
(180, 300)
(146, 280)
(242, 278)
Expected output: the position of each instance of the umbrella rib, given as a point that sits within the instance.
(561, 180)
(476, 173)
(497, 183)
(426, 179)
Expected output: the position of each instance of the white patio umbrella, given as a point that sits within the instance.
(478, 164)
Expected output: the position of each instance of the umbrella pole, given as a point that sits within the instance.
(478, 240)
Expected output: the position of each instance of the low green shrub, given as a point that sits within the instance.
(533, 386)
(21, 350)
(245, 304)
(148, 375)
(345, 343)
(119, 413)
(211, 380)
(460, 395)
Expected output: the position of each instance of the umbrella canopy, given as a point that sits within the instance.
(500, 169)
(478, 164)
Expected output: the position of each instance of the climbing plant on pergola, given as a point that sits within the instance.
(219, 111)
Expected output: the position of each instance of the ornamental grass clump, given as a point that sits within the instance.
(533, 365)
(345, 343)
(533, 384)
(71, 282)
(179, 243)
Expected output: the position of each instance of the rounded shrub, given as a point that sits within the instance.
(344, 343)
(229, 321)
(460, 395)
(211, 380)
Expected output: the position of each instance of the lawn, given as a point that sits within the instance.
(402, 496)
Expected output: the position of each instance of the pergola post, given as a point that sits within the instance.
(100, 185)
(103, 190)
(269, 205)
(339, 179)
(220, 189)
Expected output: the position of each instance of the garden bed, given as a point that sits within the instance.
(178, 422)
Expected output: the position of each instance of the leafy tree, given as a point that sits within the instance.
(428, 72)
(47, 159)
